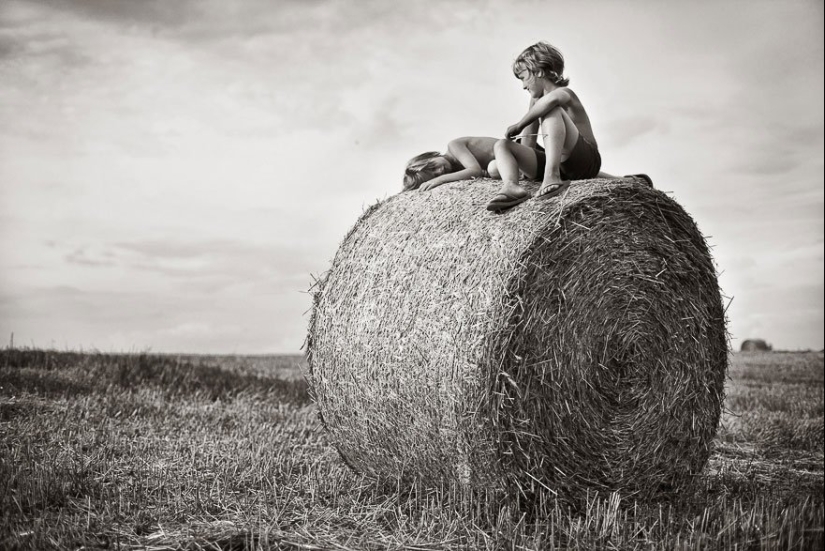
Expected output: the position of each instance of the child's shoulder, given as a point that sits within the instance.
(570, 95)
(567, 90)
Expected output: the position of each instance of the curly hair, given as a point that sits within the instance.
(545, 58)
(422, 168)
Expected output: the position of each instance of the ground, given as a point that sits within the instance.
(196, 452)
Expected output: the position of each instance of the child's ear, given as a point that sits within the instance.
(539, 74)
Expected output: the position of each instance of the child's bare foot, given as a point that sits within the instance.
(510, 195)
(552, 189)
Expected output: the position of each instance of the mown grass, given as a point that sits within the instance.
(161, 452)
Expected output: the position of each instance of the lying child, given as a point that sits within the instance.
(465, 158)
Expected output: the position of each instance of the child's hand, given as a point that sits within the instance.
(513, 131)
(434, 183)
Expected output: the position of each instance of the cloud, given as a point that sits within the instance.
(127, 79)
(200, 330)
(788, 316)
(192, 162)
(126, 12)
(620, 132)
(203, 265)
(381, 126)
(243, 319)
(81, 257)
(782, 147)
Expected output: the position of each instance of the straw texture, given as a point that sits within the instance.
(571, 343)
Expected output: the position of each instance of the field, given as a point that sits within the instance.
(166, 452)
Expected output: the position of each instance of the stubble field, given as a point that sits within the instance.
(167, 452)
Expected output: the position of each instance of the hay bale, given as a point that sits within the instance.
(571, 343)
(755, 345)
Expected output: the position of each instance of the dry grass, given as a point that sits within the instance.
(570, 344)
(150, 452)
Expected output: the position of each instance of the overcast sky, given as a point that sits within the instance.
(172, 173)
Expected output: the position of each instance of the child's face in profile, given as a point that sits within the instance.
(531, 83)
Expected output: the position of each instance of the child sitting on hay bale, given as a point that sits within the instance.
(469, 157)
(570, 148)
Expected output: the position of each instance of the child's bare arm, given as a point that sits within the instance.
(542, 106)
(529, 135)
(472, 169)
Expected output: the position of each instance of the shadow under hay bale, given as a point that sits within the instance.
(569, 344)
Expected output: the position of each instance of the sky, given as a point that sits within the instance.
(175, 175)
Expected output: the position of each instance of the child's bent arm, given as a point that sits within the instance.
(542, 106)
(472, 168)
(464, 174)
(530, 132)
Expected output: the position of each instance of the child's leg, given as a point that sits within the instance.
(492, 170)
(560, 137)
(510, 158)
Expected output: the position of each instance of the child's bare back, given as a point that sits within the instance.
(480, 147)
(575, 109)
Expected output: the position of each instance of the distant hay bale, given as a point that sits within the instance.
(571, 343)
(755, 345)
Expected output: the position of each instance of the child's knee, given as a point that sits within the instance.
(492, 170)
(502, 145)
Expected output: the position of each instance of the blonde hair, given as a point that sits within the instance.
(423, 168)
(544, 58)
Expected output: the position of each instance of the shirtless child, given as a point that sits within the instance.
(556, 114)
(465, 158)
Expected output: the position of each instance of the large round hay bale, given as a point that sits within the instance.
(570, 343)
